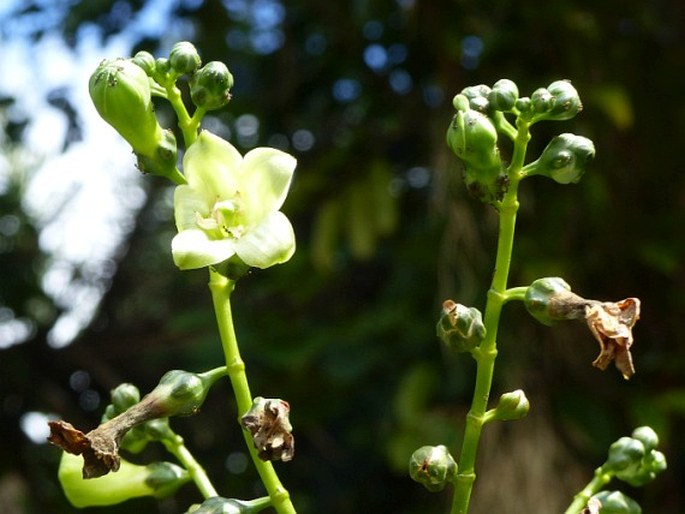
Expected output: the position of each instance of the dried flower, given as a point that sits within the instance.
(268, 423)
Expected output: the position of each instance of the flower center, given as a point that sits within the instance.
(225, 220)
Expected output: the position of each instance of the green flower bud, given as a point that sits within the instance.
(146, 61)
(566, 101)
(120, 91)
(460, 103)
(615, 502)
(542, 100)
(511, 406)
(131, 481)
(210, 86)
(473, 138)
(524, 106)
(184, 58)
(162, 66)
(219, 505)
(165, 478)
(625, 456)
(433, 467)
(460, 327)
(564, 159)
(504, 95)
(647, 437)
(181, 393)
(478, 97)
(550, 299)
(124, 396)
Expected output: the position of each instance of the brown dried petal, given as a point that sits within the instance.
(269, 425)
(612, 324)
(99, 447)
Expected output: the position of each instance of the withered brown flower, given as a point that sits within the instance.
(612, 325)
(268, 423)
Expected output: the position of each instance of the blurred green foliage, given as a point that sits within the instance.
(361, 93)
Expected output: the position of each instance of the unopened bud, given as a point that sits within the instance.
(478, 97)
(541, 101)
(473, 138)
(181, 393)
(615, 502)
(184, 58)
(504, 95)
(433, 467)
(124, 396)
(120, 91)
(460, 327)
(146, 61)
(210, 86)
(566, 101)
(647, 436)
(564, 159)
(511, 406)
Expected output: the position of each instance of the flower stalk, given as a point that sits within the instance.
(221, 288)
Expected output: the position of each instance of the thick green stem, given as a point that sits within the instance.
(188, 125)
(486, 353)
(221, 288)
(177, 448)
(595, 485)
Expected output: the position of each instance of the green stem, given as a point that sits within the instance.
(486, 353)
(177, 448)
(187, 124)
(221, 288)
(515, 293)
(595, 485)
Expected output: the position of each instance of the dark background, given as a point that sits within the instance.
(385, 232)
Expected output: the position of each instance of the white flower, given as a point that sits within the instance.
(230, 206)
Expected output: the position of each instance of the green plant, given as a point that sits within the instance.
(227, 213)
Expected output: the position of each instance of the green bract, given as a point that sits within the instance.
(159, 479)
(230, 206)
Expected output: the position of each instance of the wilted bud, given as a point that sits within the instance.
(473, 138)
(511, 406)
(564, 159)
(146, 61)
(615, 502)
(504, 95)
(178, 393)
(268, 422)
(184, 58)
(219, 505)
(433, 467)
(210, 86)
(120, 91)
(160, 480)
(460, 327)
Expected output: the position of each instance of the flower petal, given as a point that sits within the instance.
(187, 203)
(271, 242)
(192, 249)
(212, 167)
(265, 179)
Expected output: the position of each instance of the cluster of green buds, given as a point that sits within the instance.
(635, 459)
(179, 393)
(122, 91)
(433, 467)
(481, 116)
(612, 502)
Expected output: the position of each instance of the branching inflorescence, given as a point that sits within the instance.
(227, 213)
